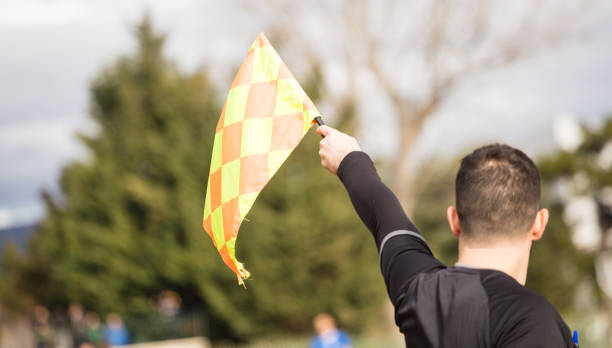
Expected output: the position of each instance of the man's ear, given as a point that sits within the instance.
(453, 221)
(539, 224)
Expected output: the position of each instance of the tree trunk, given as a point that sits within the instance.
(411, 122)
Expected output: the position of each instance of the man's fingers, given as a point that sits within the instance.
(324, 130)
(334, 146)
(322, 143)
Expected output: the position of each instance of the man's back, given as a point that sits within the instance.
(466, 307)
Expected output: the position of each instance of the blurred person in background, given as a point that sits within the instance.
(168, 307)
(43, 333)
(327, 333)
(168, 304)
(78, 324)
(115, 332)
(94, 329)
(481, 301)
(63, 334)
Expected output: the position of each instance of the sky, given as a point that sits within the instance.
(51, 51)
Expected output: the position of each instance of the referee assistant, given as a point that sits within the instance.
(481, 301)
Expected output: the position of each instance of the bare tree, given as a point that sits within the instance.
(416, 52)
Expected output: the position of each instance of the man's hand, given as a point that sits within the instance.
(334, 147)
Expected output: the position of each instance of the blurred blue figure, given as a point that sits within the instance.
(115, 333)
(327, 334)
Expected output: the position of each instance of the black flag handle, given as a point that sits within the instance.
(320, 122)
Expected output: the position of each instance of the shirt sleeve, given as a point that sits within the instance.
(403, 251)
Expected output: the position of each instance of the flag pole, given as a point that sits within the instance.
(319, 121)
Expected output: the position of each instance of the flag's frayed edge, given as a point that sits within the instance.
(243, 273)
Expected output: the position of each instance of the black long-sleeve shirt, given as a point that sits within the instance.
(439, 306)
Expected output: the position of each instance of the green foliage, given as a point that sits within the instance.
(11, 267)
(129, 223)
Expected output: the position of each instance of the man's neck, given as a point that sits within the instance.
(511, 258)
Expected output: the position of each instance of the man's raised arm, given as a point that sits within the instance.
(403, 251)
(375, 204)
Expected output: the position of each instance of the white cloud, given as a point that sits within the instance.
(37, 134)
(26, 14)
(20, 216)
(6, 218)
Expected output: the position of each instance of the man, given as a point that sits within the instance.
(327, 333)
(481, 301)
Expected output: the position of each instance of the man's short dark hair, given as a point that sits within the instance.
(497, 193)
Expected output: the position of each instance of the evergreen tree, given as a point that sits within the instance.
(128, 224)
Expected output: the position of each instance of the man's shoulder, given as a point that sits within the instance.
(517, 311)
(501, 289)
(504, 290)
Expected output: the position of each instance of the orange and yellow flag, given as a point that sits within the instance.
(265, 116)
